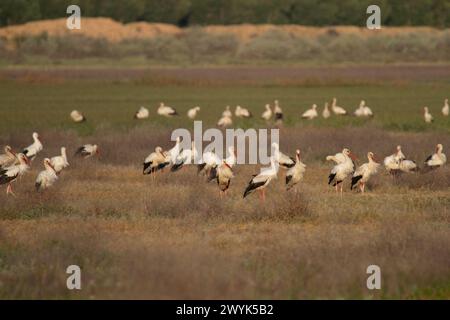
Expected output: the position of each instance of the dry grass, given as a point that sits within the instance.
(174, 238)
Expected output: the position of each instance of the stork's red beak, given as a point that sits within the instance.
(352, 156)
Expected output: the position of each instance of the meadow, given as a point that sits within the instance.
(173, 238)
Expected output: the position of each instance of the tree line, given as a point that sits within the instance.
(205, 12)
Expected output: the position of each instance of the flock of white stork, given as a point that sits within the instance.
(14, 165)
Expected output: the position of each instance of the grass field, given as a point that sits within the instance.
(173, 237)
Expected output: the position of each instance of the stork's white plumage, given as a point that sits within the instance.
(339, 111)
(32, 150)
(241, 112)
(142, 113)
(10, 174)
(227, 112)
(173, 153)
(60, 162)
(360, 111)
(267, 114)
(282, 159)
(310, 113)
(367, 111)
(427, 115)
(408, 166)
(192, 113)
(166, 111)
(445, 109)
(224, 122)
(392, 162)
(87, 151)
(295, 174)
(341, 171)
(8, 158)
(278, 112)
(209, 160)
(230, 161)
(339, 157)
(326, 112)
(437, 159)
(187, 156)
(77, 116)
(364, 172)
(262, 180)
(47, 177)
(155, 161)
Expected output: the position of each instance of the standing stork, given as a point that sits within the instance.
(445, 108)
(155, 161)
(427, 117)
(339, 111)
(230, 161)
(227, 112)
(32, 150)
(437, 159)
(326, 112)
(341, 171)
(10, 174)
(47, 177)
(392, 162)
(278, 112)
(262, 180)
(295, 174)
(8, 158)
(223, 177)
(364, 172)
(60, 162)
(187, 156)
(283, 160)
(267, 114)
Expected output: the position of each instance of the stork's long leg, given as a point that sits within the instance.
(9, 190)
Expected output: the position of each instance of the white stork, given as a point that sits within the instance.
(408, 166)
(209, 160)
(229, 161)
(32, 150)
(8, 158)
(364, 172)
(224, 122)
(445, 108)
(227, 112)
(60, 162)
(77, 116)
(166, 111)
(310, 113)
(427, 115)
(437, 159)
(155, 161)
(173, 153)
(262, 180)
(10, 174)
(267, 114)
(47, 177)
(339, 157)
(295, 174)
(339, 111)
(142, 113)
(87, 151)
(192, 113)
(242, 112)
(326, 112)
(342, 170)
(360, 111)
(223, 177)
(187, 156)
(278, 112)
(282, 159)
(392, 162)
